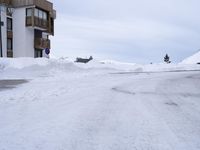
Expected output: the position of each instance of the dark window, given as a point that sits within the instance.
(38, 33)
(9, 44)
(9, 24)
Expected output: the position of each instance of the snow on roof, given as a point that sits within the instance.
(194, 59)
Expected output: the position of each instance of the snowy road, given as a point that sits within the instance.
(103, 111)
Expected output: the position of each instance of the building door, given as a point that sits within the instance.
(38, 53)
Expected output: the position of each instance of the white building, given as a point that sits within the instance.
(25, 28)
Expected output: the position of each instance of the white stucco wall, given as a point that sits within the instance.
(4, 30)
(23, 37)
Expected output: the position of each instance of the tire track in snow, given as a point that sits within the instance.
(123, 91)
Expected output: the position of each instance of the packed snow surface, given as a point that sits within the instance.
(60, 105)
(194, 59)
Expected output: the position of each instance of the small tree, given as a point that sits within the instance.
(166, 59)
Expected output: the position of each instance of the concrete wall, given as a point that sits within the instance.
(23, 37)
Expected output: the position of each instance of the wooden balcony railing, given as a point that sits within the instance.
(29, 21)
(41, 43)
(7, 2)
(44, 4)
(53, 14)
(4, 1)
(41, 23)
(37, 22)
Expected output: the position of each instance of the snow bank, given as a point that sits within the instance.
(20, 63)
(107, 65)
(40, 63)
(30, 67)
(167, 67)
(132, 67)
(194, 59)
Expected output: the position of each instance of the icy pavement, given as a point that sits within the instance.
(102, 110)
(9, 84)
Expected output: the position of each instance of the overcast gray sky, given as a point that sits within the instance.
(140, 31)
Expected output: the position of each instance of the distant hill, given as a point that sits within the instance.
(194, 59)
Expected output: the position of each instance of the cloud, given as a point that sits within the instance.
(126, 30)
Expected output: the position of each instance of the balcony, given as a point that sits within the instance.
(37, 23)
(41, 23)
(41, 43)
(53, 14)
(43, 4)
(7, 2)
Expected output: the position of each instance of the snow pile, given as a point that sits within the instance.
(116, 66)
(194, 59)
(162, 67)
(20, 63)
(29, 68)
(39, 63)
(41, 67)
(107, 65)
(132, 67)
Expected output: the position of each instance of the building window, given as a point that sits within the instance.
(29, 12)
(9, 44)
(9, 24)
(44, 15)
(38, 53)
(40, 14)
(36, 12)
